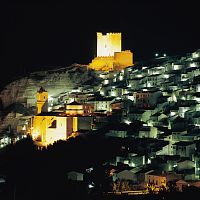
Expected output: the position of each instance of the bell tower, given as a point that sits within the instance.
(42, 100)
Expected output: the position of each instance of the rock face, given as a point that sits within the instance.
(54, 81)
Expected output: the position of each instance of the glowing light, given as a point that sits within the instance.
(139, 75)
(113, 93)
(106, 81)
(148, 84)
(144, 67)
(148, 161)
(127, 121)
(89, 170)
(102, 75)
(164, 54)
(192, 65)
(195, 55)
(172, 113)
(166, 75)
(156, 54)
(133, 165)
(131, 98)
(90, 186)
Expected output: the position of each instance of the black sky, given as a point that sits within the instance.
(46, 33)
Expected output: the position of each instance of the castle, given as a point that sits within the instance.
(109, 54)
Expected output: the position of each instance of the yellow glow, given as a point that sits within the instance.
(46, 129)
(42, 98)
(74, 110)
(75, 107)
(73, 135)
(35, 134)
(75, 124)
(109, 54)
(49, 129)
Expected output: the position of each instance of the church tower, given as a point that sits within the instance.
(42, 100)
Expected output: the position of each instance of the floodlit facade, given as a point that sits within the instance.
(49, 127)
(74, 108)
(109, 54)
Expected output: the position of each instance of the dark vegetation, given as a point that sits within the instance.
(33, 173)
(42, 174)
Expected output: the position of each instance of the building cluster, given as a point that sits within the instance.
(152, 108)
(164, 96)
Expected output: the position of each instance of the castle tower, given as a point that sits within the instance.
(108, 44)
(109, 54)
(42, 100)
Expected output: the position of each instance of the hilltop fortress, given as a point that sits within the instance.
(109, 54)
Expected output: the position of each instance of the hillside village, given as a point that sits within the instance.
(152, 108)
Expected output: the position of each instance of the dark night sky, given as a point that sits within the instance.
(38, 33)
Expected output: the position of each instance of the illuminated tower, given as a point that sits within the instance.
(108, 44)
(42, 100)
(109, 54)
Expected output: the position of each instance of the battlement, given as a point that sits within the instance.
(104, 57)
(113, 33)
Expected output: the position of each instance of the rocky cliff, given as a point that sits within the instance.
(55, 81)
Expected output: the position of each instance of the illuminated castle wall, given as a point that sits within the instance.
(109, 54)
(108, 44)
